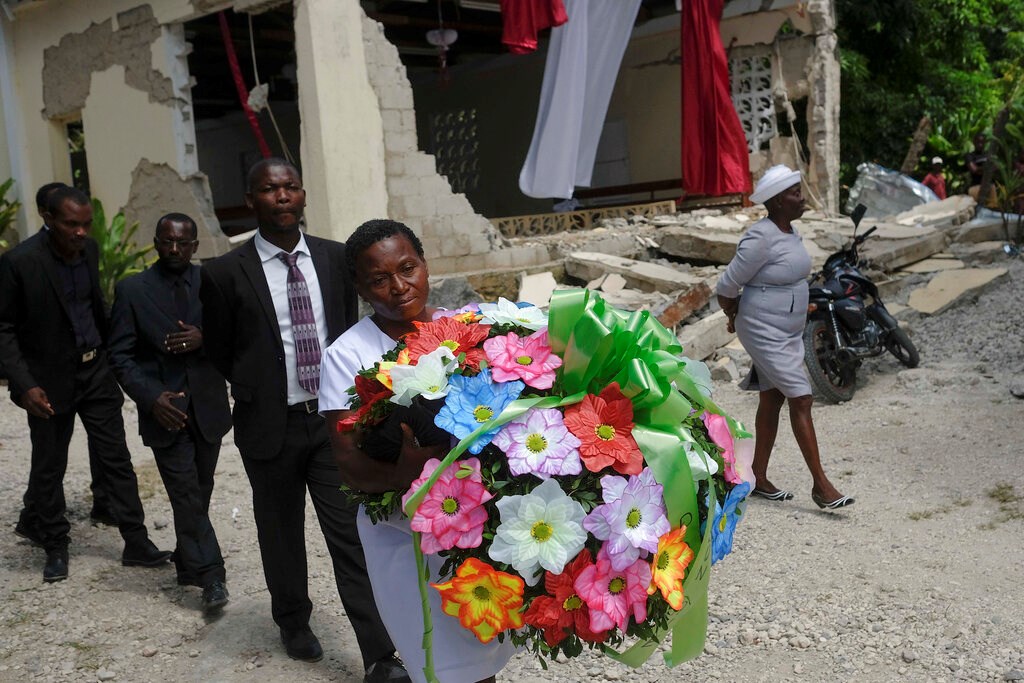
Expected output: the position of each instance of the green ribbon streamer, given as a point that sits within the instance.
(599, 345)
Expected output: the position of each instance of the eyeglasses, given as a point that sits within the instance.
(181, 244)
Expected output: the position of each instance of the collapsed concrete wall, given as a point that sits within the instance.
(455, 238)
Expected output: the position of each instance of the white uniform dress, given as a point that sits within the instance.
(458, 656)
(771, 266)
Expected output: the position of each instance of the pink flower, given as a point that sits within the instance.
(613, 595)
(539, 443)
(744, 465)
(718, 430)
(452, 513)
(528, 358)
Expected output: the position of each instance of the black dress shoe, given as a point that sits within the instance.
(388, 670)
(302, 644)
(144, 554)
(100, 515)
(29, 534)
(56, 567)
(215, 596)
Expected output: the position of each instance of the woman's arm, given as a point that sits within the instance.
(363, 473)
(730, 306)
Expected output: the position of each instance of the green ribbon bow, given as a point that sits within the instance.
(599, 345)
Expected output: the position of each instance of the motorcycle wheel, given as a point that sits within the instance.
(833, 381)
(898, 344)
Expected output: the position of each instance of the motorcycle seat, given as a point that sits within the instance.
(821, 293)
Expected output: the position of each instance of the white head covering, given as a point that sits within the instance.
(936, 160)
(775, 180)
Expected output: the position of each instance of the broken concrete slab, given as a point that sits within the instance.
(934, 265)
(682, 305)
(613, 282)
(892, 254)
(647, 277)
(537, 288)
(979, 253)
(949, 287)
(702, 338)
(725, 370)
(950, 211)
(699, 244)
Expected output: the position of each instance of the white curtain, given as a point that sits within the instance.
(583, 61)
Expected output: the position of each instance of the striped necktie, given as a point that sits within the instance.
(307, 344)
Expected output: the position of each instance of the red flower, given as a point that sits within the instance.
(457, 336)
(563, 613)
(370, 390)
(604, 424)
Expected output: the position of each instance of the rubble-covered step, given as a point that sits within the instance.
(948, 287)
(647, 277)
(702, 338)
(700, 244)
(892, 254)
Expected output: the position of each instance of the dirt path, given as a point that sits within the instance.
(919, 581)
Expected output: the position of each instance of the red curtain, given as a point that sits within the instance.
(715, 158)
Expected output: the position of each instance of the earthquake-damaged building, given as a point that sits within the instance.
(139, 102)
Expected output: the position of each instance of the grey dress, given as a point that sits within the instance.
(772, 268)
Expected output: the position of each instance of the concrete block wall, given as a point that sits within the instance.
(455, 238)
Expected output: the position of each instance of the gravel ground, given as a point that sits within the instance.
(919, 581)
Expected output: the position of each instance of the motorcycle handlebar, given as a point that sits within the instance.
(863, 237)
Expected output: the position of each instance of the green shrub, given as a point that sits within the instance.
(119, 255)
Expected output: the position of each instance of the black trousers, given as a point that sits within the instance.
(97, 401)
(279, 498)
(186, 468)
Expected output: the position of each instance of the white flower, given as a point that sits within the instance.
(543, 529)
(505, 312)
(428, 378)
(702, 465)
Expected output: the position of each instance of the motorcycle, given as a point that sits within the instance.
(847, 322)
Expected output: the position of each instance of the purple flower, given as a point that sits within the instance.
(473, 401)
(632, 518)
(539, 443)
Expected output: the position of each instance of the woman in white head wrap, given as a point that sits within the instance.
(771, 267)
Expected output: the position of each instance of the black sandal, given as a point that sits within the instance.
(779, 495)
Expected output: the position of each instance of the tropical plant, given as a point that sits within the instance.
(950, 60)
(1007, 178)
(8, 210)
(119, 255)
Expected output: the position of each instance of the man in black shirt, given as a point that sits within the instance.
(52, 329)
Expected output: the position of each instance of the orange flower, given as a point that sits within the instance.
(458, 337)
(604, 425)
(669, 567)
(384, 373)
(484, 600)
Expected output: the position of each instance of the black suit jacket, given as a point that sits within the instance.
(143, 315)
(37, 341)
(243, 340)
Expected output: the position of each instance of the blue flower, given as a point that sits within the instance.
(473, 401)
(725, 521)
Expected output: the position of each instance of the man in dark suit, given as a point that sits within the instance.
(269, 308)
(156, 350)
(52, 332)
(100, 511)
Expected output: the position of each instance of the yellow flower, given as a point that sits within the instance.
(484, 600)
(384, 373)
(669, 567)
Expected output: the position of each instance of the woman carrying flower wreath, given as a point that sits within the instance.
(386, 262)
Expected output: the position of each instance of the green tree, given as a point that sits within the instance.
(952, 60)
(119, 256)
(8, 210)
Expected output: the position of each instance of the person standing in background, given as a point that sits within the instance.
(935, 180)
(156, 350)
(53, 327)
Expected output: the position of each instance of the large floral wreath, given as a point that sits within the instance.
(601, 481)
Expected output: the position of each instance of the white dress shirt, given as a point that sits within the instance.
(276, 273)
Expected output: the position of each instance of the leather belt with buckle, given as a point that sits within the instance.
(89, 355)
(308, 407)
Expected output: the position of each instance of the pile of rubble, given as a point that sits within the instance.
(924, 261)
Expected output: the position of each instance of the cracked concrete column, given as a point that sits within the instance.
(823, 104)
(342, 147)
